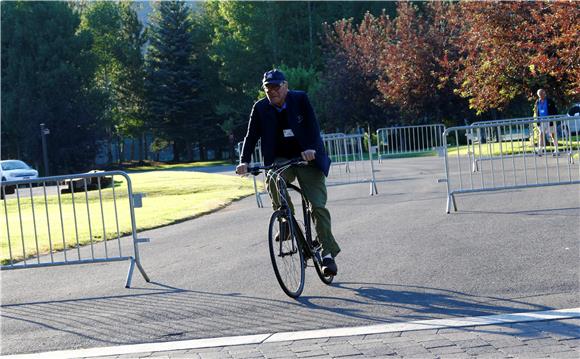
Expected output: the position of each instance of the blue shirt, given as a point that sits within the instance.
(543, 108)
(279, 109)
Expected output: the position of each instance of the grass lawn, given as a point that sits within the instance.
(487, 149)
(169, 166)
(171, 196)
(409, 154)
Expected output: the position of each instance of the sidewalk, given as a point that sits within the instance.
(521, 335)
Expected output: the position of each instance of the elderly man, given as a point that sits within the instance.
(285, 122)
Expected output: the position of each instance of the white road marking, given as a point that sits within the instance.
(307, 334)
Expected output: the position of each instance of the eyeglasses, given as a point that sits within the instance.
(272, 87)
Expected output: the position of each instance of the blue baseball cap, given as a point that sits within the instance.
(275, 77)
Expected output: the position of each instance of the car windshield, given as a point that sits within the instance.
(14, 165)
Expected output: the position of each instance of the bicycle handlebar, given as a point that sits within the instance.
(255, 170)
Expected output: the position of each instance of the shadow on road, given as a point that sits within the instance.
(424, 302)
(159, 312)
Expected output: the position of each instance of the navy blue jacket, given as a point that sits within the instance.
(301, 119)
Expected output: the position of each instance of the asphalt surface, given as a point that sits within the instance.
(403, 258)
(539, 339)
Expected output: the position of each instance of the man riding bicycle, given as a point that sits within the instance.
(286, 124)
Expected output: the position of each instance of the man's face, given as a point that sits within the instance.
(276, 93)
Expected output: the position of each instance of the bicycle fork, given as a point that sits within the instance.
(314, 247)
(286, 225)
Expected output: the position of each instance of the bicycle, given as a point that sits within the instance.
(291, 246)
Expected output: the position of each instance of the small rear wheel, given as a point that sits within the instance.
(286, 255)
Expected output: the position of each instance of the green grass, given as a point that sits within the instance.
(169, 166)
(507, 148)
(365, 156)
(171, 196)
(409, 154)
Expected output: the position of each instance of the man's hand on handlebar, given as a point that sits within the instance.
(242, 169)
(308, 155)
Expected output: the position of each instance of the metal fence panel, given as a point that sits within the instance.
(398, 141)
(256, 160)
(72, 219)
(350, 163)
(509, 161)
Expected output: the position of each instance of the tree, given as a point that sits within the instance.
(271, 34)
(414, 75)
(172, 77)
(47, 73)
(118, 40)
(130, 80)
(349, 80)
(511, 49)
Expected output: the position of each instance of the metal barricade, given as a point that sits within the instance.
(72, 219)
(404, 140)
(515, 129)
(350, 163)
(256, 160)
(511, 162)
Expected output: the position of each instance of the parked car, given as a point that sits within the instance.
(14, 170)
(574, 124)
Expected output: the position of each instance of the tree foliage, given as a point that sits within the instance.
(118, 39)
(172, 77)
(427, 58)
(511, 49)
(47, 73)
(82, 67)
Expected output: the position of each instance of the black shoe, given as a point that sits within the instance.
(329, 267)
(286, 229)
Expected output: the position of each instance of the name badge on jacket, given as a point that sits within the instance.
(288, 133)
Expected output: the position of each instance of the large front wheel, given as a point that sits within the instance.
(286, 256)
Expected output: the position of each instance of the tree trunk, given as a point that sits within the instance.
(310, 42)
(143, 147)
(110, 146)
(119, 150)
(133, 149)
(175, 152)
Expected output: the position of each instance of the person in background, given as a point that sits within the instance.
(543, 107)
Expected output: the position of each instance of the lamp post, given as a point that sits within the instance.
(43, 132)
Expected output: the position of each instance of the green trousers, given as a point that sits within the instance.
(313, 185)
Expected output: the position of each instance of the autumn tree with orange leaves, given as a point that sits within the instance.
(445, 61)
(511, 49)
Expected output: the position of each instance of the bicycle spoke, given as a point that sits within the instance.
(286, 256)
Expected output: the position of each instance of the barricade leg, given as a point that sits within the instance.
(132, 264)
(130, 272)
(373, 188)
(450, 200)
(258, 197)
(140, 267)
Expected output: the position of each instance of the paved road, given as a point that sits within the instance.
(543, 339)
(402, 259)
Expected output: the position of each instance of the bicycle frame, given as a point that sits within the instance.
(302, 240)
(311, 250)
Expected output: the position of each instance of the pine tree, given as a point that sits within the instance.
(47, 72)
(172, 78)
